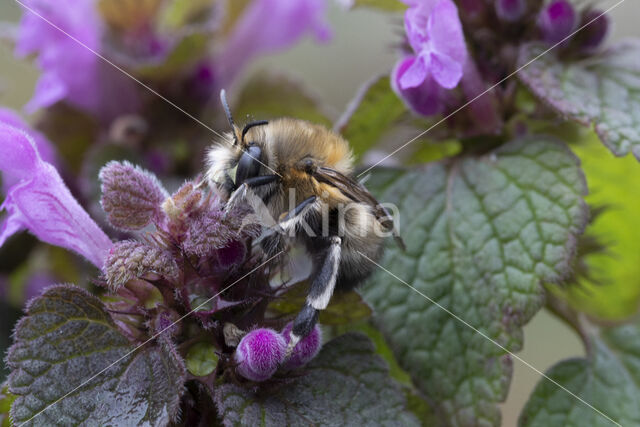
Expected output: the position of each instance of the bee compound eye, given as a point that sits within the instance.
(249, 164)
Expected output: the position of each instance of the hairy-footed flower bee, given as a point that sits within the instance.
(299, 173)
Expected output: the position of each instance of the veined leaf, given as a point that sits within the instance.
(481, 236)
(608, 379)
(346, 384)
(65, 339)
(603, 91)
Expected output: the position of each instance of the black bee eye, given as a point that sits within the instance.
(249, 164)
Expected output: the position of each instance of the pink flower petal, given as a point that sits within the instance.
(445, 31)
(445, 70)
(414, 74)
(41, 203)
(425, 99)
(288, 21)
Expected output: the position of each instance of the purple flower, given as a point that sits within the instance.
(425, 99)
(267, 26)
(259, 354)
(70, 70)
(45, 148)
(40, 202)
(435, 35)
(510, 10)
(305, 350)
(557, 21)
(592, 36)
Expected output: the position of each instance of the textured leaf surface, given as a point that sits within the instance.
(481, 235)
(346, 384)
(130, 258)
(131, 196)
(608, 379)
(603, 91)
(371, 113)
(66, 337)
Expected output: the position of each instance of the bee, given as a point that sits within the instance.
(301, 173)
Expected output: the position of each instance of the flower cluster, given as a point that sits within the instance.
(443, 68)
(91, 109)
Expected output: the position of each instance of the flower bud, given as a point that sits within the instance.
(595, 31)
(510, 10)
(259, 354)
(556, 21)
(305, 350)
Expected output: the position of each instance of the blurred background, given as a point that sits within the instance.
(362, 46)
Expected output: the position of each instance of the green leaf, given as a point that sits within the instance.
(270, 96)
(481, 235)
(603, 91)
(384, 5)
(201, 359)
(608, 379)
(65, 339)
(612, 286)
(370, 114)
(6, 400)
(346, 384)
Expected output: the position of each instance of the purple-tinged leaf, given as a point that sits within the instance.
(131, 196)
(129, 259)
(603, 91)
(66, 338)
(208, 231)
(41, 203)
(347, 384)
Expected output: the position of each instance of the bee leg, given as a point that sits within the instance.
(258, 181)
(320, 292)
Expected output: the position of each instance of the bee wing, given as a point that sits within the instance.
(359, 194)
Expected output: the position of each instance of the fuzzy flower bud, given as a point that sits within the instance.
(305, 350)
(510, 10)
(556, 21)
(259, 354)
(131, 196)
(595, 32)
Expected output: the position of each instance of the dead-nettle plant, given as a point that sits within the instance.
(186, 317)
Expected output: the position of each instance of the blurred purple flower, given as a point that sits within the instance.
(35, 283)
(435, 33)
(40, 202)
(592, 36)
(45, 148)
(510, 10)
(556, 21)
(70, 70)
(268, 26)
(259, 354)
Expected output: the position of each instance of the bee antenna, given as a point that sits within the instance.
(227, 112)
